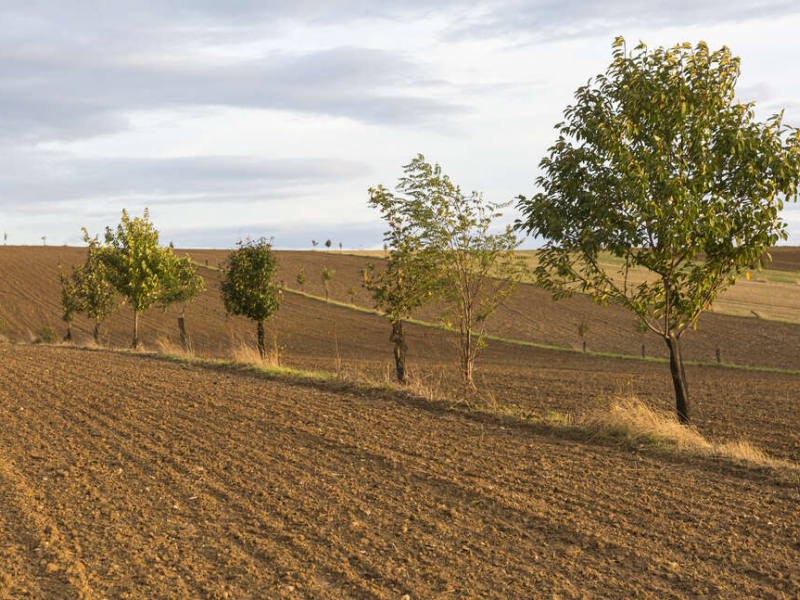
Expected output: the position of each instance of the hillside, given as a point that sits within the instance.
(727, 404)
(29, 300)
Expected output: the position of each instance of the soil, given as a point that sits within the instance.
(29, 296)
(124, 476)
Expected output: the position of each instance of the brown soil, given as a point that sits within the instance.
(29, 295)
(786, 258)
(725, 404)
(123, 476)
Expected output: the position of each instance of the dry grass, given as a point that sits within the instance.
(632, 420)
(166, 346)
(246, 354)
(430, 386)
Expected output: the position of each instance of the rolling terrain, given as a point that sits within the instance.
(130, 476)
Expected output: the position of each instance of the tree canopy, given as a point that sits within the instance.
(249, 288)
(660, 165)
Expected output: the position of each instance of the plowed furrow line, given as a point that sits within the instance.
(112, 427)
(348, 452)
(57, 558)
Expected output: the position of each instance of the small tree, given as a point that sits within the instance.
(136, 265)
(327, 277)
(249, 288)
(314, 243)
(91, 291)
(182, 284)
(328, 244)
(407, 280)
(95, 292)
(659, 165)
(477, 270)
(301, 278)
(69, 302)
(583, 329)
(351, 291)
(340, 246)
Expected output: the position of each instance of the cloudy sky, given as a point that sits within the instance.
(245, 117)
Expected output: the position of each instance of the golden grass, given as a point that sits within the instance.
(247, 354)
(166, 346)
(631, 419)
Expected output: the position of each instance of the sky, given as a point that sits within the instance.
(273, 118)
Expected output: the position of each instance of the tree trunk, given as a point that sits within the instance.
(584, 346)
(678, 378)
(97, 333)
(182, 329)
(466, 360)
(136, 342)
(68, 337)
(262, 345)
(400, 349)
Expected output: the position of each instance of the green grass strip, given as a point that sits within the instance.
(541, 346)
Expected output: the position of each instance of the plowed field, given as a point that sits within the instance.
(123, 476)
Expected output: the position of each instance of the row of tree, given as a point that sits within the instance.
(129, 263)
(657, 164)
(132, 265)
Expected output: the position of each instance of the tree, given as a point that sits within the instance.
(301, 278)
(408, 278)
(351, 291)
(314, 243)
(182, 284)
(659, 165)
(93, 293)
(327, 277)
(69, 302)
(476, 270)
(136, 265)
(328, 244)
(249, 288)
(583, 330)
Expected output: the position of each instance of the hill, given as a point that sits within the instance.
(758, 405)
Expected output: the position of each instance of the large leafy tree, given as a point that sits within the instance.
(407, 278)
(658, 164)
(137, 266)
(182, 284)
(249, 288)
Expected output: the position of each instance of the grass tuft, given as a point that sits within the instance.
(165, 346)
(633, 421)
(244, 353)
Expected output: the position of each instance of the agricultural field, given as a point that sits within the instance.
(127, 475)
(772, 293)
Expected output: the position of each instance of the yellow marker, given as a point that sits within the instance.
(747, 274)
